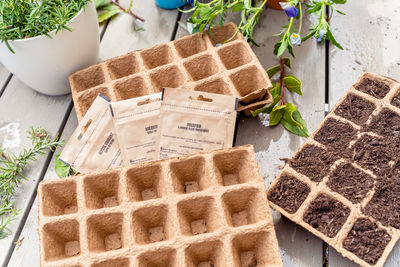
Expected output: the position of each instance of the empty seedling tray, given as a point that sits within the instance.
(343, 184)
(208, 209)
(193, 62)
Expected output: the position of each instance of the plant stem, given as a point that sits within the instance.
(115, 2)
(282, 65)
(301, 18)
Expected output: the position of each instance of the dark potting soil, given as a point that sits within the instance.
(373, 153)
(396, 101)
(385, 204)
(314, 162)
(289, 193)
(336, 135)
(366, 240)
(386, 123)
(326, 214)
(377, 89)
(355, 109)
(350, 182)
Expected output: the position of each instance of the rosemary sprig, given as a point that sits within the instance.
(12, 173)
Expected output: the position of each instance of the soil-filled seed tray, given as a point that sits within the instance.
(343, 184)
(207, 209)
(203, 63)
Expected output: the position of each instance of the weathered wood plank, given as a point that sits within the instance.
(298, 246)
(121, 38)
(20, 108)
(16, 125)
(28, 253)
(370, 37)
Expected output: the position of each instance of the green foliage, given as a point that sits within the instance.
(109, 11)
(321, 30)
(62, 169)
(109, 8)
(293, 84)
(12, 173)
(280, 111)
(205, 14)
(26, 19)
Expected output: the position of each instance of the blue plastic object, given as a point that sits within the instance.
(170, 4)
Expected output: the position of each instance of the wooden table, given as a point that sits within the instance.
(369, 33)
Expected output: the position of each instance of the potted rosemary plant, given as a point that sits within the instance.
(43, 41)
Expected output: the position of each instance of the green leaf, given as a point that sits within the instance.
(277, 46)
(275, 92)
(340, 2)
(101, 3)
(62, 169)
(276, 115)
(293, 121)
(293, 84)
(282, 48)
(237, 7)
(204, 12)
(314, 8)
(330, 37)
(273, 70)
(287, 62)
(340, 12)
(9, 47)
(108, 14)
(290, 49)
(111, 7)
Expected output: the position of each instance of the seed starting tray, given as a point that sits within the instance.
(192, 62)
(343, 184)
(208, 209)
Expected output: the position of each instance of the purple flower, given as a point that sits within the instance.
(290, 10)
(295, 39)
(190, 2)
(206, 27)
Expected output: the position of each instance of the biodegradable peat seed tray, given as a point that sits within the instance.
(343, 184)
(192, 62)
(207, 209)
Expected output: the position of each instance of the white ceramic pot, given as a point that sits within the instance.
(45, 63)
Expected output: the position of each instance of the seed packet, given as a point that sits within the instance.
(136, 122)
(193, 121)
(93, 145)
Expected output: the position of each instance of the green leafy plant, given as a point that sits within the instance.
(109, 8)
(12, 173)
(26, 19)
(204, 15)
(321, 30)
(279, 110)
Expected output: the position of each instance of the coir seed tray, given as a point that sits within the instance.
(343, 184)
(208, 209)
(195, 63)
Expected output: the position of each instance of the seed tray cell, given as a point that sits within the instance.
(342, 184)
(202, 63)
(208, 209)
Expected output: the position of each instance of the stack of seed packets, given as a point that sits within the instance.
(173, 123)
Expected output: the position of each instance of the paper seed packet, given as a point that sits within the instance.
(194, 121)
(93, 145)
(136, 123)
